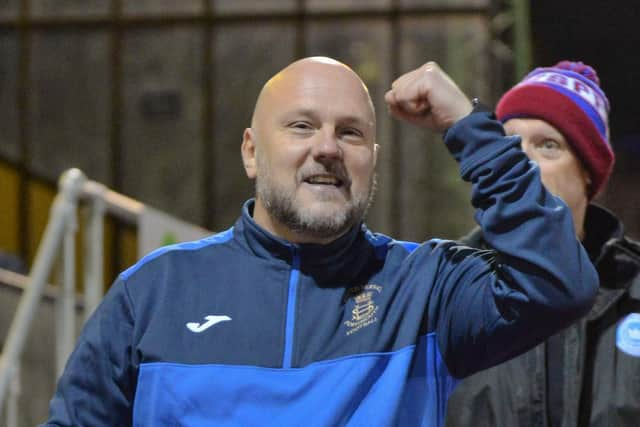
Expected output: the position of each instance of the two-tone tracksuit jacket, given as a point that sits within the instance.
(246, 329)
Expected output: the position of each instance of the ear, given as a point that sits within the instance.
(248, 151)
(376, 148)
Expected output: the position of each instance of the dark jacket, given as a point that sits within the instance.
(244, 328)
(586, 375)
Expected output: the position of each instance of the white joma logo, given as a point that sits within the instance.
(210, 321)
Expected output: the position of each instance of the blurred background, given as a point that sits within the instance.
(150, 98)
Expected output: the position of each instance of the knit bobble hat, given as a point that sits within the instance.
(567, 96)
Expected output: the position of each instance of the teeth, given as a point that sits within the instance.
(326, 180)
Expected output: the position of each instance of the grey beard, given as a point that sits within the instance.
(281, 207)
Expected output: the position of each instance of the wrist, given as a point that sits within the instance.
(478, 107)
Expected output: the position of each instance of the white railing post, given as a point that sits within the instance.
(62, 229)
(66, 302)
(94, 247)
(63, 206)
(14, 395)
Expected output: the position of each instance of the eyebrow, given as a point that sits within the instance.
(356, 120)
(347, 119)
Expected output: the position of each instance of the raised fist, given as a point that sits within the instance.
(427, 97)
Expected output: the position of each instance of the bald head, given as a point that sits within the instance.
(307, 74)
(311, 150)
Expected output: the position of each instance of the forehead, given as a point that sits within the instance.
(531, 127)
(322, 90)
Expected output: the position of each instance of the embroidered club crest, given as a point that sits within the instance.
(364, 310)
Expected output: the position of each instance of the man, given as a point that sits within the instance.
(588, 374)
(299, 315)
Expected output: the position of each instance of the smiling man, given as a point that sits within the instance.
(314, 163)
(298, 314)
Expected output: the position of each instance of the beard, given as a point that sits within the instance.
(281, 204)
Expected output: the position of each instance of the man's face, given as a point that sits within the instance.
(562, 172)
(314, 153)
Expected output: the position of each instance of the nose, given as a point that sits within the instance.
(326, 146)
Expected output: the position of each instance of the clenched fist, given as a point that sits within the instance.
(427, 97)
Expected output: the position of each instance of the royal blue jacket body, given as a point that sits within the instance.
(245, 329)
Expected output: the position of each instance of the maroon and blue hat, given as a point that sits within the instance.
(567, 96)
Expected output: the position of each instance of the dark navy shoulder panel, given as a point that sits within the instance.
(381, 243)
(215, 239)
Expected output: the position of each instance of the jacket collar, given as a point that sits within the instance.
(603, 230)
(345, 253)
(608, 249)
(616, 258)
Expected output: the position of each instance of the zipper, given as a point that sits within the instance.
(291, 309)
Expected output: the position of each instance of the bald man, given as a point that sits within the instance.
(298, 314)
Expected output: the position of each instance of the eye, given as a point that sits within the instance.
(351, 133)
(300, 126)
(550, 144)
(549, 148)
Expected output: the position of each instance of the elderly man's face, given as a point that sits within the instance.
(312, 152)
(561, 171)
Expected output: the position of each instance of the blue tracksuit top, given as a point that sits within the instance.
(245, 329)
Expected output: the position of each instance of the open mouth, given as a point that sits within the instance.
(330, 180)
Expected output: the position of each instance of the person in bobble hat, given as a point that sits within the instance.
(589, 373)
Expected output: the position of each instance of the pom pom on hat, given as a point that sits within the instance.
(568, 96)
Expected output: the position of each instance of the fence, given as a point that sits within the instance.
(73, 188)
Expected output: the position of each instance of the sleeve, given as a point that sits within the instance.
(489, 306)
(98, 383)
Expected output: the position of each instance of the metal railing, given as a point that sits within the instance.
(19, 282)
(61, 232)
